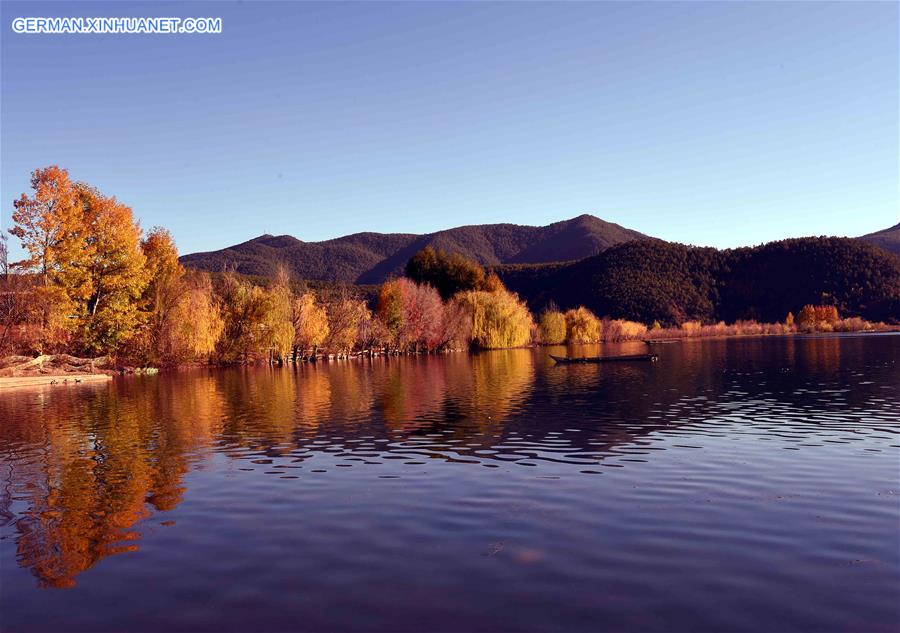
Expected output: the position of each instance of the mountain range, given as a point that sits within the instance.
(366, 258)
(370, 258)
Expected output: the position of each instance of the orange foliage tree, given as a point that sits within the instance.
(111, 280)
(310, 323)
(582, 326)
(50, 224)
(820, 318)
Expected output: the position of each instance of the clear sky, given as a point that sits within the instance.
(720, 123)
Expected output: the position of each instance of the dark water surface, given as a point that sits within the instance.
(739, 485)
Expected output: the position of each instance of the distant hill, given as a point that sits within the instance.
(366, 258)
(888, 239)
(654, 280)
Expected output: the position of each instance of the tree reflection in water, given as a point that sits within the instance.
(85, 465)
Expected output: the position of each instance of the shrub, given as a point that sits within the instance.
(499, 319)
(553, 327)
(691, 328)
(582, 326)
(620, 330)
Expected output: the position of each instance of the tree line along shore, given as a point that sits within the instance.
(94, 284)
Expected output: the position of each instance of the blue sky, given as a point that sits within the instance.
(720, 124)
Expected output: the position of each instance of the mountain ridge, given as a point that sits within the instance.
(888, 239)
(370, 257)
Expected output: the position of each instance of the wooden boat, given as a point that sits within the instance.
(567, 360)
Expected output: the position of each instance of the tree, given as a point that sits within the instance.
(371, 331)
(499, 319)
(390, 309)
(553, 327)
(111, 278)
(582, 326)
(50, 224)
(278, 324)
(161, 296)
(455, 327)
(345, 313)
(822, 318)
(412, 313)
(246, 317)
(164, 271)
(423, 315)
(310, 323)
(194, 325)
(449, 274)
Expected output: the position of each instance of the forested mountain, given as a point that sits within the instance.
(652, 280)
(888, 239)
(373, 257)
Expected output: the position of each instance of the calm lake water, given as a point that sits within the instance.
(735, 485)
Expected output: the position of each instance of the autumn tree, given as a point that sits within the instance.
(371, 332)
(553, 327)
(455, 328)
(194, 325)
(310, 323)
(822, 318)
(101, 287)
(499, 319)
(390, 309)
(278, 325)
(160, 299)
(164, 271)
(50, 224)
(345, 313)
(424, 313)
(582, 326)
(110, 280)
(245, 311)
(412, 313)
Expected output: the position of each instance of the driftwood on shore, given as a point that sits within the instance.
(53, 365)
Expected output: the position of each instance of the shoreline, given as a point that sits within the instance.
(10, 382)
(77, 376)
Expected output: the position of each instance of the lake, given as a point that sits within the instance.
(735, 485)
